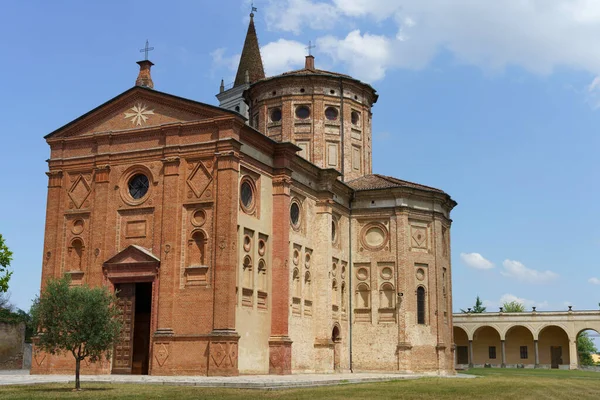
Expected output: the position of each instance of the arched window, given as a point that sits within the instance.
(296, 283)
(262, 275)
(75, 255)
(386, 296)
(247, 273)
(363, 293)
(307, 285)
(196, 249)
(334, 293)
(343, 296)
(421, 305)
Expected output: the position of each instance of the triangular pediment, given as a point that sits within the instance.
(139, 108)
(133, 254)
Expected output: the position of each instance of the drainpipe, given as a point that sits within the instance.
(350, 287)
(342, 128)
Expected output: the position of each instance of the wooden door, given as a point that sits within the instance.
(123, 354)
(462, 356)
(556, 356)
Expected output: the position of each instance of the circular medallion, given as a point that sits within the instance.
(387, 273)
(78, 225)
(420, 274)
(296, 257)
(198, 217)
(374, 236)
(247, 243)
(362, 274)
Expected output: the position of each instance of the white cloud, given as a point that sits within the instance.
(292, 15)
(493, 305)
(476, 260)
(282, 55)
(593, 93)
(365, 55)
(537, 35)
(594, 281)
(516, 269)
(221, 61)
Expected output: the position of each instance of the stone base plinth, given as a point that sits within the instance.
(280, 355)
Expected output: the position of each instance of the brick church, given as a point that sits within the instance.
(253, 237)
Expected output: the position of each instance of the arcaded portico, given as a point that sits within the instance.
(545, 339)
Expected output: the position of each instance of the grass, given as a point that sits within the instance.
(492, 384)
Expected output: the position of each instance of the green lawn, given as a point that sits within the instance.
(492, 384)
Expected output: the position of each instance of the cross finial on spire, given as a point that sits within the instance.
(310, 47)
(146, 49)
(252, 9)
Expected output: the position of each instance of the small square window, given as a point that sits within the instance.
(492, 351)
(524, 354)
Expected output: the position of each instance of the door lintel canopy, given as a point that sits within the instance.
(132, 264)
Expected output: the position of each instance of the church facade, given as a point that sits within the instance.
(251, 237)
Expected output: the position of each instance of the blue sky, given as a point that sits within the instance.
(494, 102)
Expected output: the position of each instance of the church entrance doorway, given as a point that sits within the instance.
(131, 353)
(337, 343)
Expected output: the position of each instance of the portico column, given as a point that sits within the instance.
(537, 353)
(470, 354)
(573, 356)
(503, 344)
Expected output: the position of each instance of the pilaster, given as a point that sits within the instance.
(98, 222)
(168, 270)
(280, 345)
(323, 315)
(223, 346)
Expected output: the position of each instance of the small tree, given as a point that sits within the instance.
(478, 308)
(81, 320)
(5, 259)
(585, 348)
(513, 306)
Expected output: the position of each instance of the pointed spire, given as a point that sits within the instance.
(250, 61)
(144, 78)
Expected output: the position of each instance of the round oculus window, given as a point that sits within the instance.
(247, 195)
(331, 113)
(138, 186)
(354, 117)
(302, 112)
(295, 214)
(276, 115)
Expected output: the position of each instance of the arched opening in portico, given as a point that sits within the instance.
(553, 343)
(461, 340)
(487, 346)
(588, 344)
(519, 346)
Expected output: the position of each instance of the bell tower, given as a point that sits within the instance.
(250, 70)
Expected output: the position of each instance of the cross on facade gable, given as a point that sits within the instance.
(146, 49)
(310, 47)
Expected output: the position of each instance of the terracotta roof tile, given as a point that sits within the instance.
(376, 181)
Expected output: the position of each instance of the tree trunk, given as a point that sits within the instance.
(77, 366)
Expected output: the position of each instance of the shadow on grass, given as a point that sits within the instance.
(71, 389)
